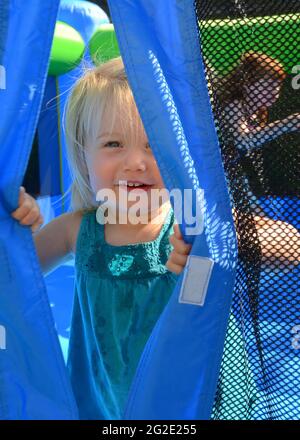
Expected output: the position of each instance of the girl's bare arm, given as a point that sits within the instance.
(53, 243)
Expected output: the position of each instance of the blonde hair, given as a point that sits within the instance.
(100, 89)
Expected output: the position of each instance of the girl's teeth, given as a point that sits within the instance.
(124, 183)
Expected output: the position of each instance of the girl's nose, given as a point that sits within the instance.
(134, 160)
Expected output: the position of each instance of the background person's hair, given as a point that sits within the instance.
(252, 67)
(101, 89)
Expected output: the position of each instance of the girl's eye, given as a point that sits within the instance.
(112, 144)
(148, 146)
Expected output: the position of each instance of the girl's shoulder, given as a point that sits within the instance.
(75, 219)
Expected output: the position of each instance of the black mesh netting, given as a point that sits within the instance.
(252, 58)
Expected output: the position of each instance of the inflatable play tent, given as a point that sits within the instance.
(227, 344)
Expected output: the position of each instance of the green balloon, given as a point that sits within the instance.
(103, 44)
(67, 49)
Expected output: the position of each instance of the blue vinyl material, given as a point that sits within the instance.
(33, 378)
(178, 372)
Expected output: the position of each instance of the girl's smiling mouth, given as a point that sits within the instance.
(137, 185)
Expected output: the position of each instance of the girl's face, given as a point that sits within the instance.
(262, 93)
(120, 154)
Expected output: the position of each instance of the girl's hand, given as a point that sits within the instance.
(28, 212)
(178, 257)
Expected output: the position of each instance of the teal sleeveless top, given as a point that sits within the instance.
(120, 292)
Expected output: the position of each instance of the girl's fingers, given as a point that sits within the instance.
(180, 245)
(177, 232)
(18, 212)
(27, 205)
(28, 213)
(178, 259)
(31, 217)
(21, 195)
(174, 267)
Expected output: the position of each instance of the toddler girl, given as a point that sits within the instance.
(125, 271)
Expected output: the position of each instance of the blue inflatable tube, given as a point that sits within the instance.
(33, 378)
(178, 372)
